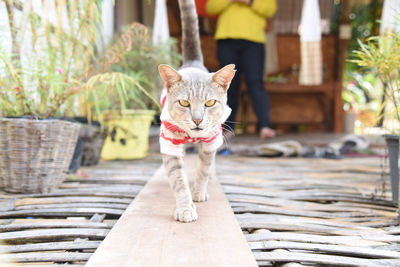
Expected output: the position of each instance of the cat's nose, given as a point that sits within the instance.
(197, 122)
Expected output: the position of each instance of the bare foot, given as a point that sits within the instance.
(267, 133)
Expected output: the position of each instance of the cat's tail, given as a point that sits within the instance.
(191, 48)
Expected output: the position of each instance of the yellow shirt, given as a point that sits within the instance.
(240, 21)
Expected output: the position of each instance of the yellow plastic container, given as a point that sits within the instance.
(128, 135)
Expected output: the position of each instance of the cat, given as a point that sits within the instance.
(194, 108)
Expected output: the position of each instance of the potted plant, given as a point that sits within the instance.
(58, 66)
(115, 95)
(129, 128)
(382, 55)
(142, 61)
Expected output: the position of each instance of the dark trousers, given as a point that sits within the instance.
(249, 60)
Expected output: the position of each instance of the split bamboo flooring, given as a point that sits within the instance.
(314, 212)
(65, 227)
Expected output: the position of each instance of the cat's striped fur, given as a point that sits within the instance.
(196, 104)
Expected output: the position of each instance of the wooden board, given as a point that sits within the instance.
(147, 235)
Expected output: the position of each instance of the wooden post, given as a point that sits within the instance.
(343, 42)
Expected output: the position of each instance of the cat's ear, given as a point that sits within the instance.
(224, 76)
(169, 75)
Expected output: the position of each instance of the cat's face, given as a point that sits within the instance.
(197, 99)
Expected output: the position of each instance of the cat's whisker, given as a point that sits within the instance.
(227, 140)
(228, 128)
(235, 122)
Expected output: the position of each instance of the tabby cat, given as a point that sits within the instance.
(194, 109)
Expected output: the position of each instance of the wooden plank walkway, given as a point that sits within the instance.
(147, 235)
(66, 226)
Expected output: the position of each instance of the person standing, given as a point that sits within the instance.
(240, 36)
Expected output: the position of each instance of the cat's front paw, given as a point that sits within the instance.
(186, 214)
(200, 196)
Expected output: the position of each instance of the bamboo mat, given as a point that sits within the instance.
(314, 212)
(66, 226)
(292, 211)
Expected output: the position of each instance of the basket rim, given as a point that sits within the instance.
(36, 120)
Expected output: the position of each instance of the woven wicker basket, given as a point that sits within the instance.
(35, 154)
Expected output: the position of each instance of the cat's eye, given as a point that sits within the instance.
(210, 103)
(184, 103)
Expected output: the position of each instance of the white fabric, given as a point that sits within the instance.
(390, 16)
(108, 20)
(310, 25)
(310, 37)
(311, 63)
(160, 26)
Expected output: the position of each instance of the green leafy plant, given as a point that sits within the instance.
(364, 24)
(381, 54)
(65, 63)
(358, 91)
(141, 63)
(118, 90)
